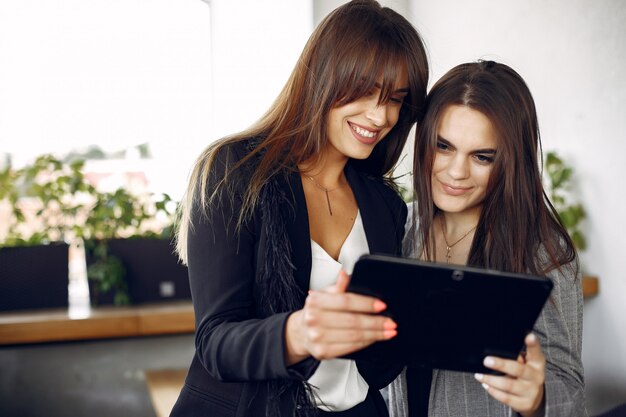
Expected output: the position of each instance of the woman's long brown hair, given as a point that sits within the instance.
(517, 222)
(343, 59)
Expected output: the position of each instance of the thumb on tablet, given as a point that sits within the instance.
(533, 349)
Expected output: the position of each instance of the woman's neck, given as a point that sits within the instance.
(458, 223)
(327, 169)
(454, 233)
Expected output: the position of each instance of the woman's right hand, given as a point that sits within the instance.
(334, 323)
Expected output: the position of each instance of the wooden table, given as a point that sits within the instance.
(96, 323)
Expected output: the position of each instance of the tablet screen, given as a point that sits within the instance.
(449, 316)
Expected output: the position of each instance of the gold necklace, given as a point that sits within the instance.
(326, 191)
(450, 246)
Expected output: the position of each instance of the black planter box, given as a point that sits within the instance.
(34, 277)
(153, 272)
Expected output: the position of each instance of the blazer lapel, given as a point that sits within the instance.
(298, 232)
(377, 222)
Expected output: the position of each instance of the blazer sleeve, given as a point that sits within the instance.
(231, 342)
(559, 328)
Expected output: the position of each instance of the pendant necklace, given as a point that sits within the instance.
(326, 191)
(450, 246)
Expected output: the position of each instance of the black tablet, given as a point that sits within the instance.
(449, 316)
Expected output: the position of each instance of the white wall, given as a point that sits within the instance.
(572, 54)
(255, 45)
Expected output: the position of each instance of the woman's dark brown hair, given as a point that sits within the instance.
(343, 59)
(518, 224)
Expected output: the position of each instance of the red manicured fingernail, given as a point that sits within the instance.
(390, 333)
(379, 305)
(390, 325)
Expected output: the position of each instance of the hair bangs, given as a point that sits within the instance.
(359, 74)
(390, 67)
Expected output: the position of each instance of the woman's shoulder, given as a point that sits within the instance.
(230, 157)
(562, 264)
(231, 150)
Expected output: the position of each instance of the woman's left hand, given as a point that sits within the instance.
(522, 385)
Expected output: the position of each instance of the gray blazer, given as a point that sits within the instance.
(559, 328)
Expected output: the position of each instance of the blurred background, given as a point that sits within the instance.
(142, 86)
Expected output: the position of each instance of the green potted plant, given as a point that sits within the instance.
(570, 211)
(113, 215)
(42, 202)
(130, 254)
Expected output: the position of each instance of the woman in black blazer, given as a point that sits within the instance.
(271, 210)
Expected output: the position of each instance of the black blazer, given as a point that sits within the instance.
(237, 349)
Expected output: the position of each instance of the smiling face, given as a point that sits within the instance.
(355, 128)
(466, 147)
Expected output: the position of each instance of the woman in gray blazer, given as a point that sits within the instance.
(480, 201)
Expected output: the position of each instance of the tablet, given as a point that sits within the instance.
(449, 316)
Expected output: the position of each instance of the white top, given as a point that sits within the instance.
(337, 384)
